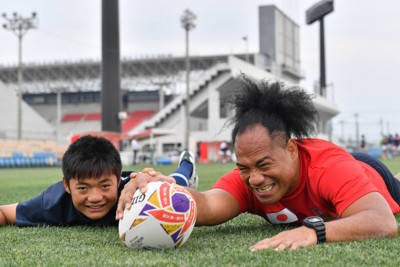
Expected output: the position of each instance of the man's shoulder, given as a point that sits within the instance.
(230, 179)
(321, 150)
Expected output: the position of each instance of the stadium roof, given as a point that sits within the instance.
(136, 74)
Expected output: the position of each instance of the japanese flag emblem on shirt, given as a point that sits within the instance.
(282, 217)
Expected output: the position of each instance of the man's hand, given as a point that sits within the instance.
(290, 239)
(371, 208)
(139, 180)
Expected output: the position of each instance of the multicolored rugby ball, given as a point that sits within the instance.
(161, 218)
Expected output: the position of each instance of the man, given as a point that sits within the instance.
(288, 178)
(223, 150)
(135, 149)
(89, 190)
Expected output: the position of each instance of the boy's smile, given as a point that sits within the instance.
(93, 197)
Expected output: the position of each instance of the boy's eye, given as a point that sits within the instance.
(106, 186)
(81, 188)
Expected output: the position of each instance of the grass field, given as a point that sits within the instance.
(223, 245)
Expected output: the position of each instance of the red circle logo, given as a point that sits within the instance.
(282, 217)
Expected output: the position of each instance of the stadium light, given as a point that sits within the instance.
(187, 21)
(317, 12)
(246, 41)
(20, 26)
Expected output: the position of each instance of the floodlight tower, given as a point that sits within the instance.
(20, 26)
(187, 21)
(317, 12)
(111, 101)
(246, 40)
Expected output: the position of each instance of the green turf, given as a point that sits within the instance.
(224, 245)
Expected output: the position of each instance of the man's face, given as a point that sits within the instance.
(267, 166)
(94, 197)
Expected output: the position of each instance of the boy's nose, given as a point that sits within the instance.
(95, 196)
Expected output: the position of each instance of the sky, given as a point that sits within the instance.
(362, 45)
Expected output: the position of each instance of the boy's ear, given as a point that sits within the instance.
(66, 185)
(119, 180)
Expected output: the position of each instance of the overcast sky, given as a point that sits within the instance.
(362, 44)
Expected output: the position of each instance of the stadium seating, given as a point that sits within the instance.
(375, 152)
(73, 117)
(132, 121)
(135, 118)
(29, 153)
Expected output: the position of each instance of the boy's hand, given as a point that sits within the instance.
(139, 180)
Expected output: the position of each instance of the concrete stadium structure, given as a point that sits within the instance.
(67, 95)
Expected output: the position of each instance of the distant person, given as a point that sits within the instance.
(363, 143)
(287, 177)
(89, 190)
(223, 151)
(135, 150)
(390, 145)
(396, 145)
(384, 147)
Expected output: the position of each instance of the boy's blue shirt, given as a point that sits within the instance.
(54, 207)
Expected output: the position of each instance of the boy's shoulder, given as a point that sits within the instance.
(55, 194)
(48, 208)
(125, 177)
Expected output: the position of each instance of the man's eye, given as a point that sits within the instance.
(243, 170)
(106, 186)
(81, 188)
(264, 166)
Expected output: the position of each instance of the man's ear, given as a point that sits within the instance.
(291, 148)
(66, 185)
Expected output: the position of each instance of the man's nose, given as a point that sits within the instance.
(256, 178)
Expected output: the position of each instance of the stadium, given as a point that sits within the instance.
(61, 100)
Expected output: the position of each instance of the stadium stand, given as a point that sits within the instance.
(135, 118)
(93, 117)
(30, 153)
(34, 126)
(73, 117)
(62, 100)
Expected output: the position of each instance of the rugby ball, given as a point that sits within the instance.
(161, 218)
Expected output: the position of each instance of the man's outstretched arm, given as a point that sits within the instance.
(214, 206)
(368, 217)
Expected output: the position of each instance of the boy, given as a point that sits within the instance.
(88, 193)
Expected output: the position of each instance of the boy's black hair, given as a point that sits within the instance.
(285, 111)
(91, 157)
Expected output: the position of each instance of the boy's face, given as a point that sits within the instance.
(93, 197)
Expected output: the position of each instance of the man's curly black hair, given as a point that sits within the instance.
(285, 111)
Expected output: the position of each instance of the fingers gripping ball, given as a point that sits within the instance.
(163, 217)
